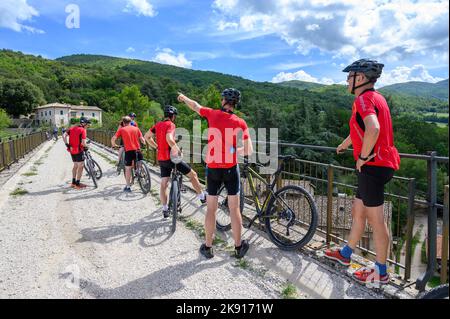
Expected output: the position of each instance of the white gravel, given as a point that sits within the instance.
(57, 242)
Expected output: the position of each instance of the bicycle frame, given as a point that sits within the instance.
(260, 209)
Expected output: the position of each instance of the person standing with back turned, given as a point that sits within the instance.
(221, 160)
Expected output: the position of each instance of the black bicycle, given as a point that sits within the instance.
(289, 213)
(175, 196)
(439, 292)
(92, 168)
(141, 172)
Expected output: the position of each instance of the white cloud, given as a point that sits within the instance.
(387, 30)
(13, 12)
(141, 7)
(167, 56)
(300, 76)
(130, 50)
(403, 74)
(294, 65)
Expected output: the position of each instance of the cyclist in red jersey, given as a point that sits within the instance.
(133, 123)
(76, 146)
(131, 137)
(165, 145)
(221, 160)
(377, 159)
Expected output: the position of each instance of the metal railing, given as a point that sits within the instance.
(333, 185)
(14, 148)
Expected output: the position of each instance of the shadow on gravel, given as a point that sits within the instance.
(152, 230)
(156, 285)
(107, 193)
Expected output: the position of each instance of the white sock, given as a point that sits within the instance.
(165, 207)
(201, 196)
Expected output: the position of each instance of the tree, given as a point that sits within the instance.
(5, 121)
(20, 97)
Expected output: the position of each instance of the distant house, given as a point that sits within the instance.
(57, 114)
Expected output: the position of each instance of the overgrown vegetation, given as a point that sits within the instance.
(18, 192)
(289, 291)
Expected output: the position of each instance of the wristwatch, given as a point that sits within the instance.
(363, 158)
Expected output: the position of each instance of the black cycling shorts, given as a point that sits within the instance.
(166, 168)
(130, 156)
(230, 177)
(371, 183)
(76, 158)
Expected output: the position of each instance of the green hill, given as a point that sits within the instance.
(302, 85)
(437, 90)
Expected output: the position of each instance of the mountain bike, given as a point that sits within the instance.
(121, 163)
(92, 168)
(141, 172)
(288, 213)
(176, 179)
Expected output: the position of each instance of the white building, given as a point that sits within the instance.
(57, 114)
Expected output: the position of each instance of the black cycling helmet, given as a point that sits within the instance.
(232, 96)
(370, 68)
(132, 114)
(84, 120)
(170, 110)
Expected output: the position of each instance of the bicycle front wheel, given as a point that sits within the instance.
(174, 193)
(91, 172)
(291, 217)
(97, 170)
(223, 220)
(144, 178)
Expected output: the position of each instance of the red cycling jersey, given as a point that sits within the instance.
(367, 103)
(223, 128)
(76, 135)
(161, 129)
(130, 136)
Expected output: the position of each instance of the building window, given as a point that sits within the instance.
(93, 114)
(45, 113)
(42, 114)
(61, 112)
(82, 113)
(49, 112)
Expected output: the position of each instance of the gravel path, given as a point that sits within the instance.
(57, 242)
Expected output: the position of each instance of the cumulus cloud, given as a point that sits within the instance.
(300, 76)
(406, 74)
(141, 7)
(389, 30)
(130, 50)
(168, 56)
(14, 12)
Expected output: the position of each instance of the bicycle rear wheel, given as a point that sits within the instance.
(174, 193)
(223, 220)
(144, 178)
(291, 219)
(91, 172)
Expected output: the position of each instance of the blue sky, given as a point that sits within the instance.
(270, 40)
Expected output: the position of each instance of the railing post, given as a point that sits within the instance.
(444, 254)
(330, 171)
(432, 223)
(410, 226)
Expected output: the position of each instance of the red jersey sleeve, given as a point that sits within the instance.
(83, 135)
(244, 127)
(364, 106)
(153, 129)
(171, 128)
(205, 112)
(118, 133)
